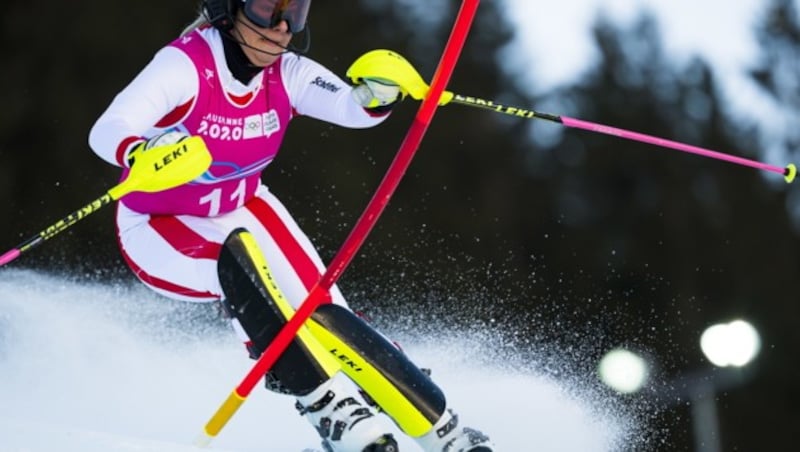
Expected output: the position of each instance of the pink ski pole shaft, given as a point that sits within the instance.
(789, 172)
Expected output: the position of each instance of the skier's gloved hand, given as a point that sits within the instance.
(385, 65)
(383, 78)
(377, 94)
(163, 139)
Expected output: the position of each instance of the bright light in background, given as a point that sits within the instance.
(730, 344)
(623, 371)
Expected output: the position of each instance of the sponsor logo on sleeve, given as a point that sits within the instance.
(326, 85)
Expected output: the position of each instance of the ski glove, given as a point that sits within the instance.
(163, 139)
(376, 93)
(383, 78)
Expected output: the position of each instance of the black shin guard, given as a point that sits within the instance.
(252, 298)
(398, 387)
(333, 339)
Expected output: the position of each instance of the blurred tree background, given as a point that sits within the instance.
(558, 239)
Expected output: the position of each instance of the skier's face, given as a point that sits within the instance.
(262, 46)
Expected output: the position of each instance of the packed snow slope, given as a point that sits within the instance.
(88, 366)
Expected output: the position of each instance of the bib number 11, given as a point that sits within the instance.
(215, 199)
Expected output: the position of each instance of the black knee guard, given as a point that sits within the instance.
(252, 298)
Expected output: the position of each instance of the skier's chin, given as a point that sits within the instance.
(267, 54)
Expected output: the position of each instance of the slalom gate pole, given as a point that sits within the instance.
(789, 172)
(157, 169)
(365, 223)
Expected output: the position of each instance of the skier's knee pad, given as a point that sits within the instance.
(397, 386)
(253, 299)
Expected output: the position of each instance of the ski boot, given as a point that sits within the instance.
(447, 436)
(344, 420)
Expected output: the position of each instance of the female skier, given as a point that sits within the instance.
(234, 78)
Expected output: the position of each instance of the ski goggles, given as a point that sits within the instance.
(269, 13)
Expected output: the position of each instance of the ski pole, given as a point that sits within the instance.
(155, 170)
(357, 236)
(789, 172)
(417, 88)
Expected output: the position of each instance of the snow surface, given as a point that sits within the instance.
(88, 367)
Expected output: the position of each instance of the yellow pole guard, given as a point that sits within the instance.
(389, 65)
(165, 167)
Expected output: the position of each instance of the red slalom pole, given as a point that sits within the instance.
(365, 223)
